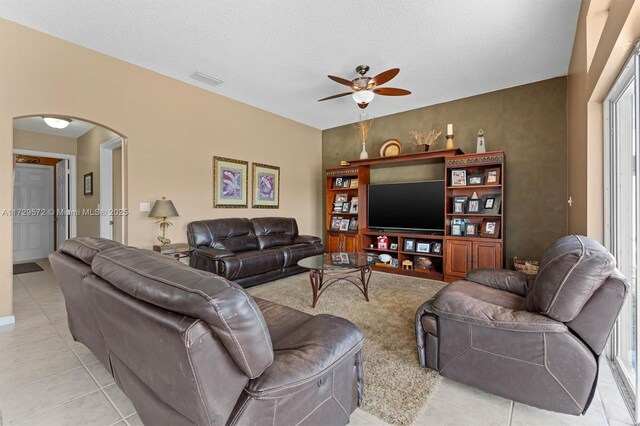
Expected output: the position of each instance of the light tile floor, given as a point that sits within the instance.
(48, 379)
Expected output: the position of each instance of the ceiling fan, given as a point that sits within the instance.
(365, 88)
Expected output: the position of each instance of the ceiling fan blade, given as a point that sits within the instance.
(391, 91)
(334, 96)
(383, 77)
(341, 80)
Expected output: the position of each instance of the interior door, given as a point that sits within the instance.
(32, 222)
(62, 202)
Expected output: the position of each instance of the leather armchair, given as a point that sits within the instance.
(535, 340)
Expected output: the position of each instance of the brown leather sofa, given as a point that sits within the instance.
(191, 348)
(250, 251)
(535, 340)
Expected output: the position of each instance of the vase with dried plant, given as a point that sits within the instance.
(424, 139)
(363, 127)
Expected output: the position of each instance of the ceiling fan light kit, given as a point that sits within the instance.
(365, 88)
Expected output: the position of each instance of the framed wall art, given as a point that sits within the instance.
(266, 186)
(230, 178)
(88, 184)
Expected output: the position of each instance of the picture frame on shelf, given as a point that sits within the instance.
(456, 229)
(230, 182)
(335, 223)
(490, 228)
(459, 177)
(354, 205)
(475, 179)
(394, 262)
(337, 183)
(393, 246)
(409, 244)
(344, 224)
(383, 242)
(471, 230)
(490, 203)
(345, 183)
(492, 176)
(423, 248)
(460, 204)
(436, 248)
(473, 206)
(353, 224)
(346, 206)
(265, 186)
(341, 198)
(353, 184)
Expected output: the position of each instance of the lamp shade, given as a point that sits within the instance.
(363, 96)
(163, 208)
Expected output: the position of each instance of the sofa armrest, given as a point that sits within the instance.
(308, 353)
(213, 254)
(461, 307)
(501, 279)
(306, 239)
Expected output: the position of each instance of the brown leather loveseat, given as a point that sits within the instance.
(532, 340)
(250, 251)
(191, 348)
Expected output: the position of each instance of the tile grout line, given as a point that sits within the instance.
(21, 420)
(73, 352)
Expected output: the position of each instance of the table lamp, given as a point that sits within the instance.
(163, 208)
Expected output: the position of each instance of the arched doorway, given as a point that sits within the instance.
(69, 180)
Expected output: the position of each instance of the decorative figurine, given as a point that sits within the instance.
(480, 148)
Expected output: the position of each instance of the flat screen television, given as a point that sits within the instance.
(412, 206)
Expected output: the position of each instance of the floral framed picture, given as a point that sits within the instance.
(230, 180)
(266, 186)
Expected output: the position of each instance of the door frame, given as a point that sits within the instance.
(106, 185)
(72, 230)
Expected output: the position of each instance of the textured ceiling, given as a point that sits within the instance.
(75, 129)
(276, 55)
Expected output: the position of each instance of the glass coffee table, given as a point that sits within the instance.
(350, 267)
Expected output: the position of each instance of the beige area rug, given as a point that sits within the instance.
(396, 387)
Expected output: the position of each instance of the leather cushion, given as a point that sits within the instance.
(255, 262)
(86, 248)
(474, 303)
(295, 253)
(232, 234)
(571, 270)
(161, 281)
(281, 320)
(275, 231)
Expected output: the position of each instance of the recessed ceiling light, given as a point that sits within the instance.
(56, 122)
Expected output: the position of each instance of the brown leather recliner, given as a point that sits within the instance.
(533, 340)
(189, 347)
(250, 251)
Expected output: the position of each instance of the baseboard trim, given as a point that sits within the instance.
(8, 320)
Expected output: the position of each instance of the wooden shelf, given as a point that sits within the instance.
(419, 273)
(474, 186)
(416, 253)
(474, 214)
(411, 235)
(341, 214)
(406, 159)
(381, 250)
(342, 189)
(481, 239)
(341, 232)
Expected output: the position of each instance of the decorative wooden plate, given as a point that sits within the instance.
(391, 148)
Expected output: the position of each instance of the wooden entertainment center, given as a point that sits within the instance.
(474, 215)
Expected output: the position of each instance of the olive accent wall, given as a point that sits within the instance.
(528, 123)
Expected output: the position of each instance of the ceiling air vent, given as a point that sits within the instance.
(206, 78)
